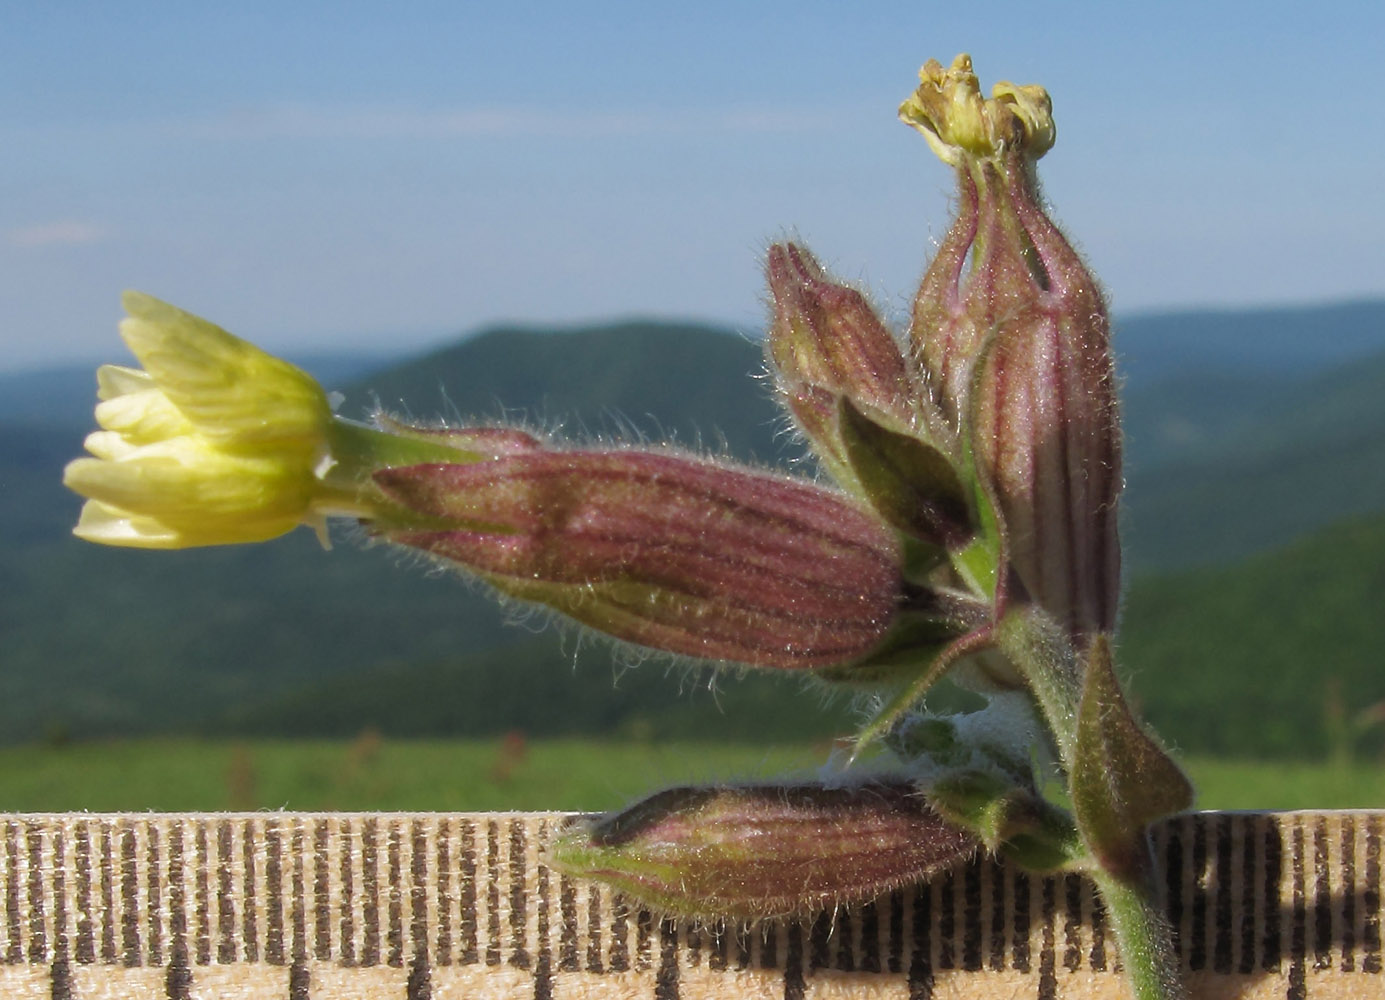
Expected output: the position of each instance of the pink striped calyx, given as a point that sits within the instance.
(1011, 332)
(680, 554)
(759, 851)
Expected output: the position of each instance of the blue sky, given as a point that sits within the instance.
(351, 175)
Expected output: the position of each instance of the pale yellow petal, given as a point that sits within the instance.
(118, 380)
(108, 445)
(109, 525)
(232, 391)
(185, 482)
(143, 417)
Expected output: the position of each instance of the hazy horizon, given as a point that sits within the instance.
(387, 347)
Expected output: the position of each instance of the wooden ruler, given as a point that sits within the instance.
(303, 906)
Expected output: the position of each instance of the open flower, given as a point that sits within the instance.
(216, 442)
(213, 442)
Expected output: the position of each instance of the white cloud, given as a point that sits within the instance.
(59, 233)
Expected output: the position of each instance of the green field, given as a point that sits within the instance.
(376, 774)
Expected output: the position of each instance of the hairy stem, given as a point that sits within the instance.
(1131, 896)
(1142, 933)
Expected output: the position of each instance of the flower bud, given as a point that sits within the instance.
(765, 851)
(861, 403)
(692, 557)
(1013, 332)
(827, 336)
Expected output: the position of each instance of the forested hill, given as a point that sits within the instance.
(694, 385)
(1256, 657)
(1226, 467)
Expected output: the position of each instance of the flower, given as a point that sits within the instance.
(216, 442)
(1011, 330)
(826, 340)
(976, 533)
(213, 442)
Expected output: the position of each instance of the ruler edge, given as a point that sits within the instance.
(1302, 822)
(562, 814)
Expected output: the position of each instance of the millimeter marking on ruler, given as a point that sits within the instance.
(433, 906)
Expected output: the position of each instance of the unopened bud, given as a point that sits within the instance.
(826, 335)
(767, 850)
(861, 402)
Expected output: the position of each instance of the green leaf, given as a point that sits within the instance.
(910, 482)
(1122, 779)
(1010, 819)
(927, 675)
(980, 562)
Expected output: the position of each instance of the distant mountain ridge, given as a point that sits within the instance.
(1266, 341)
(1247, 658)
(100, 642)
(1153, 349)
(1295, 456)
(694, 385)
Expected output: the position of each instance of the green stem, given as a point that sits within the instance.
(358, 451)
(1142, 933)
(1049, 664)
